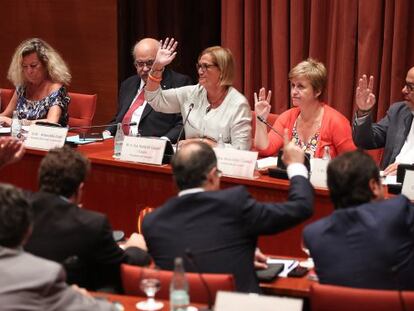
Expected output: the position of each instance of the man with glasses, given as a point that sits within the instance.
(218, 229)
(394, 133)
(131, 104)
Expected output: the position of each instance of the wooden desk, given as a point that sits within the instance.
(121, 190)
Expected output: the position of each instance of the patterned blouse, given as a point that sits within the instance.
(308, 147)
(38, 109)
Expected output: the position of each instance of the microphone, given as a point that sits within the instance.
(189, 255)
(261, 119)
(88, 127)
(190, 108)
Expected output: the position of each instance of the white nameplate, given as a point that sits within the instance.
(237, 163)
(143, 150)
(45, 137)
(408, 184)
(230, 301)
(318, 172)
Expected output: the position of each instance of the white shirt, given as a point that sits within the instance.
(406, 154)
(136, 115)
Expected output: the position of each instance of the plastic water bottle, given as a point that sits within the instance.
(220, 141)
(16, 125)
(179, 296)
(326, 153)
(118, 140)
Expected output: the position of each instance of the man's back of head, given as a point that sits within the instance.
(62, 170)
(192, 164)
(15, 216)
(353, 179)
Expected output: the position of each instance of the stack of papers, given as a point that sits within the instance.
(289, 265)
(266, 163)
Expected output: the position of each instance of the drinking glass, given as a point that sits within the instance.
(150, 285)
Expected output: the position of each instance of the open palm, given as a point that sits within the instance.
(166, 52)
(365, 98)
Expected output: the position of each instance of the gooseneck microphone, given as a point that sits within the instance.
(190, 108)
(87, 127)
(261, 119)
(189, 255)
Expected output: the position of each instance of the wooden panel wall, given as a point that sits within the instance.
(83, 31)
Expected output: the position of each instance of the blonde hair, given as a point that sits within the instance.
(223, 58)
(56, 67)
(312, 70)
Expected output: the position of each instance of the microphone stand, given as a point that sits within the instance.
(190, 108)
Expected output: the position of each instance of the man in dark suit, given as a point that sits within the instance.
(219, 228)
(28, 282)
(131, 104)
(394, 132)
(79, 239)
(367, 242)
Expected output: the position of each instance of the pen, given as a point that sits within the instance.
(292, 264)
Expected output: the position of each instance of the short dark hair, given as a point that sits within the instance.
(192, 163)
(62, 170)
(15, 216)
(348, 178)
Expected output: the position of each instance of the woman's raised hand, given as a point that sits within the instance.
(262, 103)
(166, 53)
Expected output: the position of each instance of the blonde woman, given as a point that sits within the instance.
(39, 75)
(219, 113)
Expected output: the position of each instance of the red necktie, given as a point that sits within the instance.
(135, 105)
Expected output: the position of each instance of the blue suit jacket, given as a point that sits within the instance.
(221, 229)
(389, 133)
(368, 246)
(152, 123)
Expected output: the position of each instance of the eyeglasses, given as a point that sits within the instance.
(31, 66)
(204, 66)
(409, 86)
(141, 64)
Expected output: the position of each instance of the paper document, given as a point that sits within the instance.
(266, 163)
(290, 264)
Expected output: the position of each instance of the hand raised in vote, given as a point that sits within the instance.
(365, 98)
(291, 152)
(166, 53)
(11, 150)
(262, 103)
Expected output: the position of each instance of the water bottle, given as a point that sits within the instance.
(118, 140)
(16, 125)
(326, 153)
(220, 141)
(179, 296)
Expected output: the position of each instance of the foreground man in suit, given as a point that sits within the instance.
(28, 282)
(367, 242)
(219, 228)
(394, 133)
(78, 238)
(131, 104)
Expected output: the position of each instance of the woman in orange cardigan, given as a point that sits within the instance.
(312, 124)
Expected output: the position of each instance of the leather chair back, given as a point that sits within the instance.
(81, 111)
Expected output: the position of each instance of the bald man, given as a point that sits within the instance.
(394, 133)
(131, 104)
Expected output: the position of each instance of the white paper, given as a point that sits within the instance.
(289, 265)
(408, 184)
(318, 172)
(231, 301)
(236, 163)
(143, 150)
(45, 137)
(266, 163)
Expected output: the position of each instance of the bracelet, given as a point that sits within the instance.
(154, 79)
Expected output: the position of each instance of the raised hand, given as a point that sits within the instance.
(11, 150)
(262, 104)
(166, 53)
(291, 152)
(365, 99)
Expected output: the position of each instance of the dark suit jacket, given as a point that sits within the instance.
(220, 228)
(152, 123)
(368, 246)
(389, 133)
(79, 239)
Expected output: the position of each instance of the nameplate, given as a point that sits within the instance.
(143, 150)
(45, 137)
(318, 172)
(408, 184)
(236, 163)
